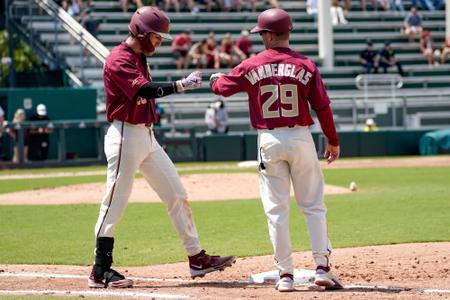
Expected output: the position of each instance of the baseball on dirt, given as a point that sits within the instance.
(353, 187)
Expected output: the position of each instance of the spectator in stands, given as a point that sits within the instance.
(369, 59)
(251, 5)
(396, 5)
(208, 3)
(40, 135)
(273, 3)
(347, 6)
(211, 53)
(216, 117)
(19, 117)
(364, 5)
(124, 4)
(210, 119)
(429, 4)
(91, 23)
(427, 49)
(445, 50)
(337, 13)
(180, 49)
(221, 116)
(245, 45)
(387, 58)
(73, 7)
(228, 5)
(370, 126)
(311, 9)
(176, 5)
(413, 24)
(196, 55)
(226, 50)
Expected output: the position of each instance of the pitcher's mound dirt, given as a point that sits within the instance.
(200, 187)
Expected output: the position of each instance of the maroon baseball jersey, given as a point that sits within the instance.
(125, 72)
(280, 83)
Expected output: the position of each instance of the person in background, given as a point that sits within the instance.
(124, 4)
(387, 58)
(445, 50)
(369, 58)
(337, 13)
(210, 118)
(196, 55)
(19, 117)
(210, 52)
(226, 50)
(180, 49)
(370, 126)
(90, 23)
(73, 8)
(396, 5)
(311, 9)
(221, 116)
(413, 24)
(176, 5)
(427, 49)
(245, 45)
(39, 141)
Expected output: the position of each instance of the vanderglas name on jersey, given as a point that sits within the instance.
(286, 70)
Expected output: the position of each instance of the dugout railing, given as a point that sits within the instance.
(80, 142)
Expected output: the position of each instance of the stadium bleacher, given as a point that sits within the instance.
(421, 83)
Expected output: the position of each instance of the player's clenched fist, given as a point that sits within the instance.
(214, 77)
(193, 81)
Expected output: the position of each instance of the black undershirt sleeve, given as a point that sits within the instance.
(152, 90)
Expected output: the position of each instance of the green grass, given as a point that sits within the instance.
(392, 205)
(102, 168)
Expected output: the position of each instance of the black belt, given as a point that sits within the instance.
(290, 126)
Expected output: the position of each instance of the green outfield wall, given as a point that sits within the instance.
(243, 146)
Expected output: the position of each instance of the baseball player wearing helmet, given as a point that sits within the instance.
(280, 84)
(130, 145)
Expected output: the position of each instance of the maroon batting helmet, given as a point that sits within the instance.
(149, 19)
(275, 20)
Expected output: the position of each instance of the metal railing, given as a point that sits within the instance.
(75, 29)
(185, 137)
(61, 20)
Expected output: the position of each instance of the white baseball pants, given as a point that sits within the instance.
(129, 148)
(290, 154)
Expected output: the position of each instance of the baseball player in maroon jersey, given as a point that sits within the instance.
(280, 84)
(131, 145)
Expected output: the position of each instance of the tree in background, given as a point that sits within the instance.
(24, 57)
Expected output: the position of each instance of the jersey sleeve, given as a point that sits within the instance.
(232, 83)
(318, 97)
(127, 76)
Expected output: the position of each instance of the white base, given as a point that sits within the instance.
(301, 277)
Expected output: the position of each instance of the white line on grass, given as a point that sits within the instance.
(93, 293)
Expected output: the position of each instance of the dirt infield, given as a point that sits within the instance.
(412, 271)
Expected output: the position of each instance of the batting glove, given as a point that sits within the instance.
(214, 78)
(193, 81)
